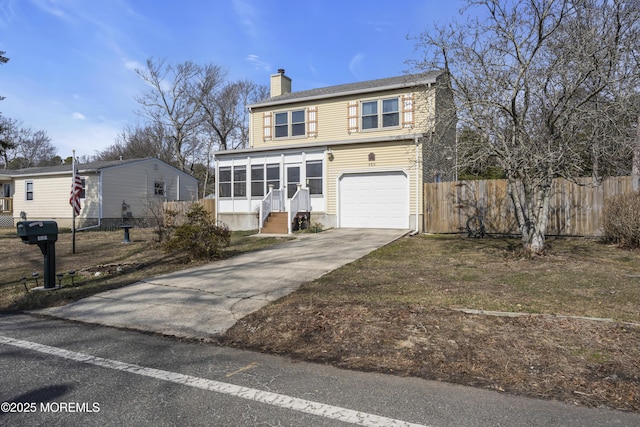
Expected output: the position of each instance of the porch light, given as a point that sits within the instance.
(330, 155)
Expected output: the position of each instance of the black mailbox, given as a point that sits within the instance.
(44, 234)
(34, 232)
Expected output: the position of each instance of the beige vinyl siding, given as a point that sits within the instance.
(397, 156)
(91, 203)
(332, 118)
(51, 192)
(50, 197)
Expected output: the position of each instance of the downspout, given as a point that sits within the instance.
(249, 135)
(215, 177)
(417, 230)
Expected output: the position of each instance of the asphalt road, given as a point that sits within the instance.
(56, 372)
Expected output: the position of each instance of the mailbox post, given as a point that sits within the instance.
(44, 234)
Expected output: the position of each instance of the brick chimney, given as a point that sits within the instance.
(280, 84)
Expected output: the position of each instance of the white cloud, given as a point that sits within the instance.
(247, 17)
(78, 116)
(258, 63)
(7, 13)
(355, 65)
(133, 65)
(50, 8)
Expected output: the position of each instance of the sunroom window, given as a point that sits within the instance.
(314, 176)
(232, 181)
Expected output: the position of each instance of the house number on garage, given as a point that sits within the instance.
(372, 159)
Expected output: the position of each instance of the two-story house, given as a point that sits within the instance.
(352, 155)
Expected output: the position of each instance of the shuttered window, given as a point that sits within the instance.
(352, 117)
(407, 110)
(266, 127)
(312, 113)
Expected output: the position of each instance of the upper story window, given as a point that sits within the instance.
(382, 113)
(290, 124)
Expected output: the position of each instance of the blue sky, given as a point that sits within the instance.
(71, 69)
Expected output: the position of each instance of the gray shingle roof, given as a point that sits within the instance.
(388, 83)
(82, 167)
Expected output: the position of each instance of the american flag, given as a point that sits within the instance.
(76, 190)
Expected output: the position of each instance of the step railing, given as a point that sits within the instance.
(272, 202)
(300, 202)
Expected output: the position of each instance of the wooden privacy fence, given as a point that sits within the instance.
(181, 208)
(575, 209)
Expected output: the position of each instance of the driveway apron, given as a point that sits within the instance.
(205, 301)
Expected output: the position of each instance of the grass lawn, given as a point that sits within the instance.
(398, 311)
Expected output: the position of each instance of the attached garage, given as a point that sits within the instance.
(373, 200)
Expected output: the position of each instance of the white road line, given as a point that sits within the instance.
(275, 399)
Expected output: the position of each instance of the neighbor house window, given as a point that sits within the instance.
(83, 193)
(28, 190)
(158, 188)
(290, 123)
(381, 113)
(314, 177)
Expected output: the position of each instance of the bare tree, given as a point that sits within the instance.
(547, 84)
(140, 142)
(9, 135)
(24, 147)
(225, 118)
(174, 101)
(34, 149)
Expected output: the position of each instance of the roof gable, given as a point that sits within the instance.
(389, 83)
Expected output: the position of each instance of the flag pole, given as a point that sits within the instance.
(73, 209)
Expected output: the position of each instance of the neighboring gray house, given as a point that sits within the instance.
(112, 190)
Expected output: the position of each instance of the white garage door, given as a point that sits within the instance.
(374, 200)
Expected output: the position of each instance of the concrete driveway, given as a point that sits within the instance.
(205, 301)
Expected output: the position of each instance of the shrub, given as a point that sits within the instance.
(200, 237)
(622, 220)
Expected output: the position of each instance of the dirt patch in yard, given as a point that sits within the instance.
(395, 311)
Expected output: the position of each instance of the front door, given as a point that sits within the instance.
(292, 180)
